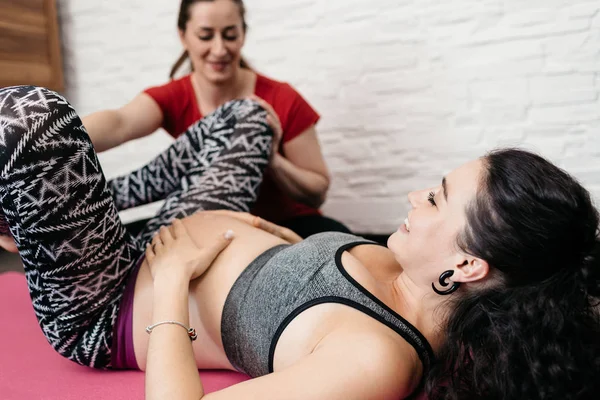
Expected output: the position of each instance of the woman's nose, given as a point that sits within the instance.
(412, 198)
(417, 197)
(218, 47)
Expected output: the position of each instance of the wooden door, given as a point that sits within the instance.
(29, 44)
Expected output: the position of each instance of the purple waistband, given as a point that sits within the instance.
(123, 355)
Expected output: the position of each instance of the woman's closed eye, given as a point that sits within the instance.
(431, 198)
(228, 38)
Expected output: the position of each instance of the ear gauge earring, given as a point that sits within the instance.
(444, 282)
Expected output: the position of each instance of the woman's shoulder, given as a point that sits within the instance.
(269, 87)
(176, 100)
(269, 82)
(398, 364)
(180, 84)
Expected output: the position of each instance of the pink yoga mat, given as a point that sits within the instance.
(31, 370)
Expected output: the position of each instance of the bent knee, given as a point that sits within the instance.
(38, 114)
(23, 98)
(29, 105)
(245, 110)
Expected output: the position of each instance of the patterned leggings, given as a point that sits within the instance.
(61, 212)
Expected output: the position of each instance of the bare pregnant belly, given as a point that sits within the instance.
(207, 293)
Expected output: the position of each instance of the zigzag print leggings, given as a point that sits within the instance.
(61, 212)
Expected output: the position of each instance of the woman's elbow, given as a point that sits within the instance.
(320, 197)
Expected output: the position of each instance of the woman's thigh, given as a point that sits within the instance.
(75, 251)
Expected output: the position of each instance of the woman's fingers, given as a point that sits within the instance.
(179, 230)
(263, 104)
(155, 239)
(150, 253)
(280, 231)
(157, 244)
(257, 222)
(158, 248)
(274, 229)
(276, 126)
(272, 117)
(265, 225)
(274, 123)
(239, 215)
(218, 245)
(165, 235)
(291, 236)
(208, 253)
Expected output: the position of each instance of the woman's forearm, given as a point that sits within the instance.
(171, 371)
(104, 129)
(110, 128)
(302, 185)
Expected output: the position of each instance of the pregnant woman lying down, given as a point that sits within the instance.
(487, 290)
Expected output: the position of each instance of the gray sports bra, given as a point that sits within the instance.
(287, 280)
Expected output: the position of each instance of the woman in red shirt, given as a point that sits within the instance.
(213, 34)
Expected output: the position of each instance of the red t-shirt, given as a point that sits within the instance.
(180, 109)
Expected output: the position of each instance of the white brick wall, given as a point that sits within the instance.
(408, 89)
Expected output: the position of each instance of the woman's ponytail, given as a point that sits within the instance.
(533, 330)
(589, 273)
(182, 59)
(531, 342)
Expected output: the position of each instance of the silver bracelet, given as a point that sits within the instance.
(190, 331)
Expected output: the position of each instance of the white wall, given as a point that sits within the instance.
(408, 89)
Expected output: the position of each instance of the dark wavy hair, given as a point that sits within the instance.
(184, 17)
(534, 333)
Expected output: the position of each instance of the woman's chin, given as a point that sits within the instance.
(392, 242)
(218, 77)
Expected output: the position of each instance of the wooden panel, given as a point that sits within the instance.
(24, 73)
(29, 44)
(20, 45)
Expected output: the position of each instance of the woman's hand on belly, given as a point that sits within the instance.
(207, 293)
(173, 247)
(281, 232)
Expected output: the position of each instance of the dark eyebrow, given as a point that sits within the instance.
(206, 28)
(445, 189)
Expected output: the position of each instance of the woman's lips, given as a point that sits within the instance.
(218, 66)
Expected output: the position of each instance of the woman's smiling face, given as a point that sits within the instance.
(425, 244)
(214, 37)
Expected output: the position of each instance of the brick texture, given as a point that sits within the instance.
(408, 89)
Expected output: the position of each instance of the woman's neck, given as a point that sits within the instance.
(415, 301)
(211, 95)
(422, 305)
